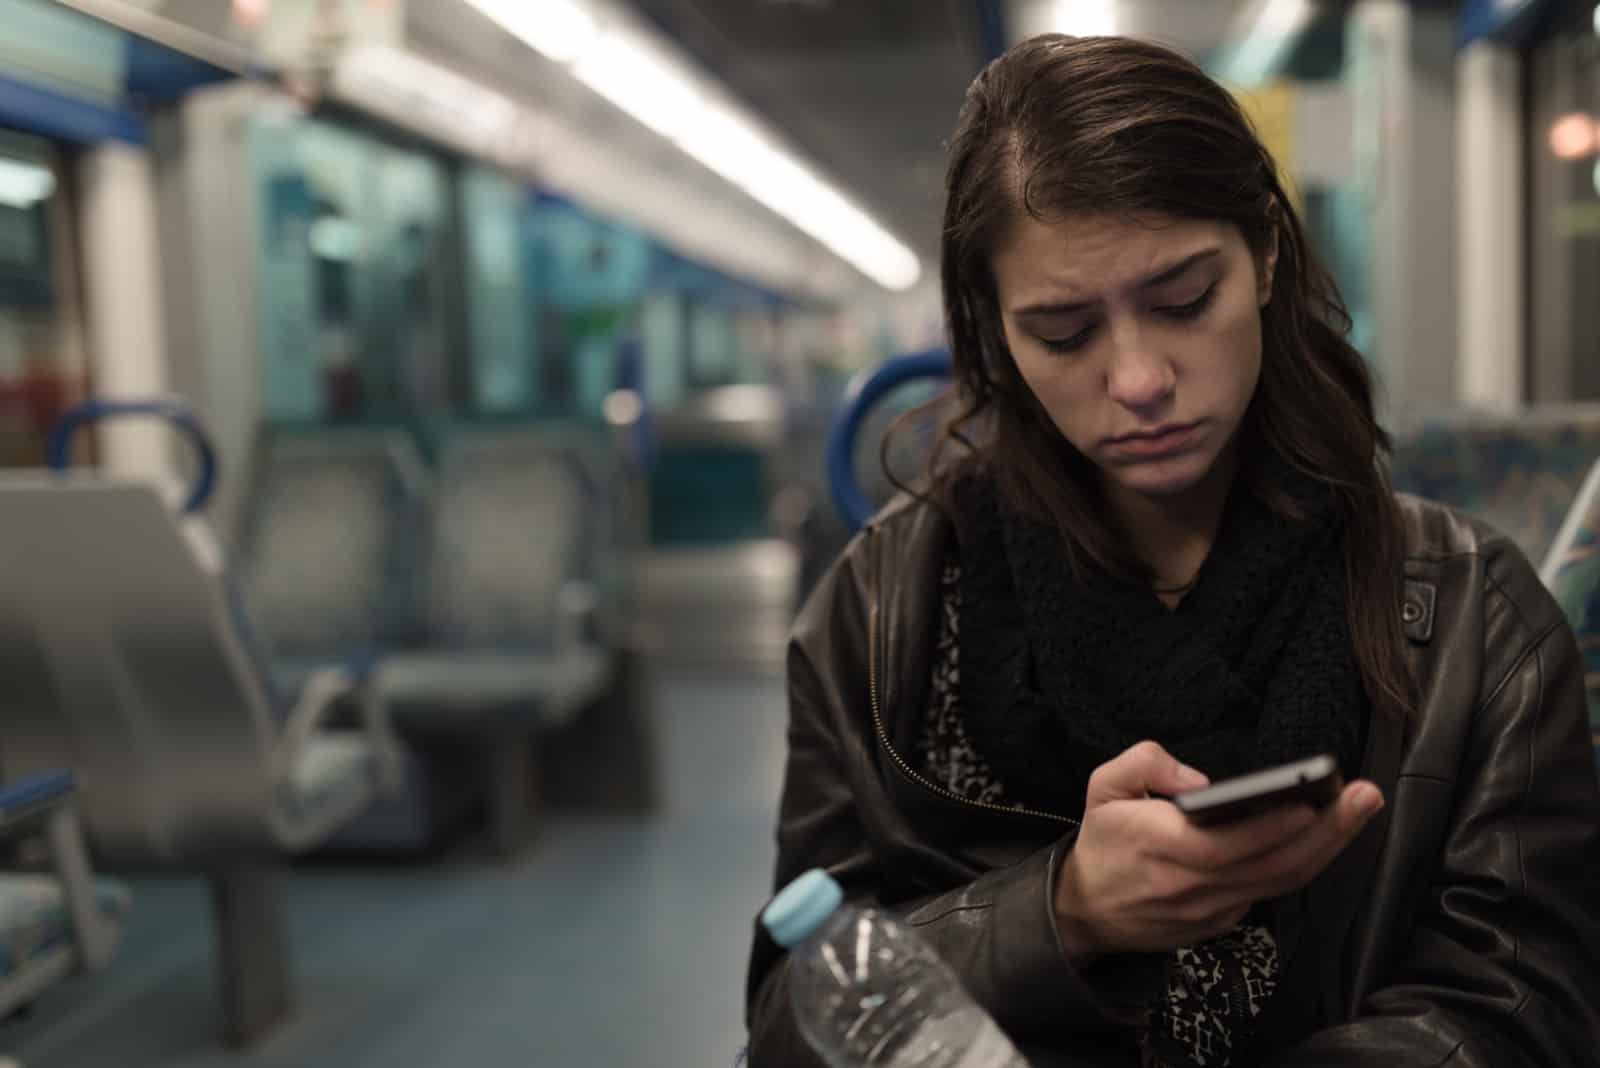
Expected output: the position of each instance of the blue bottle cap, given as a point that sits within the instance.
(801, 907)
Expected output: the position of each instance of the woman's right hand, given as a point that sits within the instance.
(1142, 878)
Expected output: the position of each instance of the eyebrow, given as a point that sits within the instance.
(1164, 274)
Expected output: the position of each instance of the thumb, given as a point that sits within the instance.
(1141, 770)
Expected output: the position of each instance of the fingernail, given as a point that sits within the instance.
(1368, 800)
(1191, 778)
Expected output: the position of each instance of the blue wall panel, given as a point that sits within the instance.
(64, 118)
(1508, 21)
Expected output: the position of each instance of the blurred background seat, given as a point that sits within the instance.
(330, 540)
(328, 545)
(58, 925)
(509, 643)
(124, 663)
(719, 552)
(1572, 571)
(1519, 472)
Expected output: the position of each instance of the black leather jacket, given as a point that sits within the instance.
(1461, 928)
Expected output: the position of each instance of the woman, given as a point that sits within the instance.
(1162, 550)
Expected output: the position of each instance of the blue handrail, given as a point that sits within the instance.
(866, 389)
(171, 409)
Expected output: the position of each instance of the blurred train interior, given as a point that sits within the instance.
(421, 420)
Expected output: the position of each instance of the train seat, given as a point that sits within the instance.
(1518, 472)
(327, 545)
(512, 638)
(52, 925)
(37, 933)
(120, 644)
(1572, 571)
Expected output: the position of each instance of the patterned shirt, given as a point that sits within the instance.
(1211, 988)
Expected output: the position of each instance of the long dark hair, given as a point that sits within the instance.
(1060, 125)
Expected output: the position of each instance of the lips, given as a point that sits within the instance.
(1165, 440)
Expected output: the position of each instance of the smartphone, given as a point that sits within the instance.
(1314, 781)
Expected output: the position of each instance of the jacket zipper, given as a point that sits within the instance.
(900, 761)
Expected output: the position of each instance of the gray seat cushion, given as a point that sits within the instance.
(33, 916)
(328, 546)
(508, 532)
(438, 688)
(1518, 473)
(334, 770)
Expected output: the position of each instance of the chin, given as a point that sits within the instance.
(1169, 477)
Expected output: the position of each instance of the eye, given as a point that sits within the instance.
(1068, 344)
(1194, 309)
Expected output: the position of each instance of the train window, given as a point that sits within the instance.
(713, 356)
(355, 301)
(1564, 204)
(662, 325)
(556, 297)
(501, 327)
(589, 275)
(43, 363)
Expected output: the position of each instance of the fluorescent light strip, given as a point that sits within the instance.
(659, 91)
(1086, 18)
(24, 184)
(642, 86)
(560, 29)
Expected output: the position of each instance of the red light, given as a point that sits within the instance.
(1573, 136)
(251, 13)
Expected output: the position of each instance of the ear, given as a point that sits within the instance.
(1267, 266)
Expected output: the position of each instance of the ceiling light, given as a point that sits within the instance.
(561, 30)
(1086, 18)
(740, 153)
(1572, 136)
(24, 184)
(658, 90)
(641, 85)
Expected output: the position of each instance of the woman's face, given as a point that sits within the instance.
(1140, 338)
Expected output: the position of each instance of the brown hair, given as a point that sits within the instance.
(1109, 124)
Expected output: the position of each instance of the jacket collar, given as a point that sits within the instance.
(911, 539)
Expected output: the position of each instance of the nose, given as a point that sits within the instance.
(1138, 377)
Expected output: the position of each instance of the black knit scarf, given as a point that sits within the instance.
(1255, 667)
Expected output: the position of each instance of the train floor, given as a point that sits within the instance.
(616, 941)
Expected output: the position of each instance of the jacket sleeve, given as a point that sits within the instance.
(997, 931)
(1502, 971)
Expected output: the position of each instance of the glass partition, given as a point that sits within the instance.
(353, 274)
(43, 362)
(1564, 216)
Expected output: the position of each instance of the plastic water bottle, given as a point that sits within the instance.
(868, 993)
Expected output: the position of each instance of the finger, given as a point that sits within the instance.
(1139, 771)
